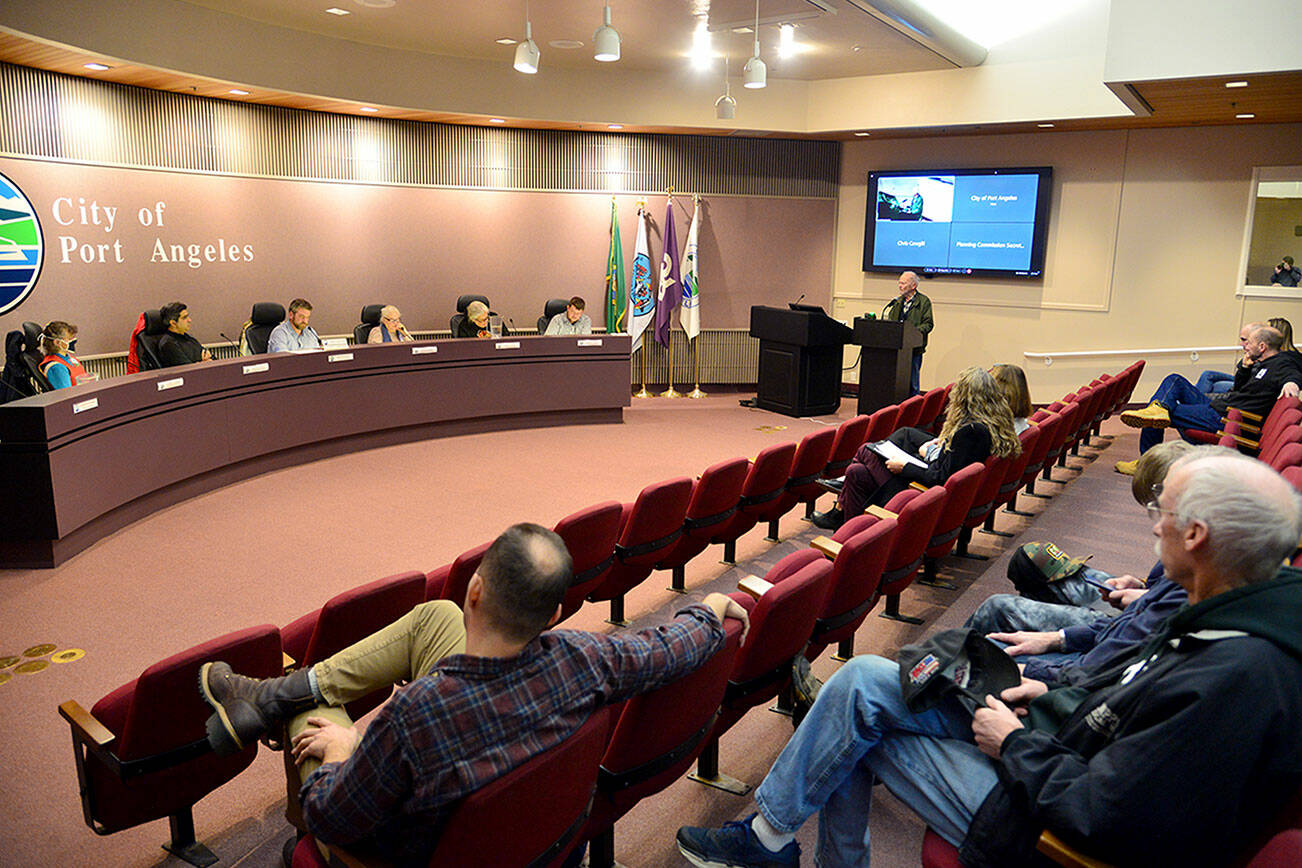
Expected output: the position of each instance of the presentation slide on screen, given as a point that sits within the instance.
(955, 222)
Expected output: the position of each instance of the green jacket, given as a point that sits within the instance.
(919, 315)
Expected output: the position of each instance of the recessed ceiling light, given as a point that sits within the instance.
(505, 40)
(335, 10)
(496, 120)
(566, 44)
(368, 108)
(1044, 126)
(1245, 116)
(98, 67)
(614, 126)
(861, 134)
(238, 92)
(742, 29)
(1236, 84)
(376, 4)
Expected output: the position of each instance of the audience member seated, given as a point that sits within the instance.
(1012, 382)
(1178, 403)
(487, 692)
(294, 333)
(1177, 755)
(573, 321)
(1285, 328)
(1218, 382)
(1064, 643)
(60, 366)
(978, 423)
(475, 325)
(177, 347)
(390, 328)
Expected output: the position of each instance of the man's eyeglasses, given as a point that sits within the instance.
(1155, 510)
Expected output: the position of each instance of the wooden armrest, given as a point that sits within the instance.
(1252, 417)
(826, 545)
(754, 585)
(1241, 441)
(918, 486)
(85, 725)
(881, 512)
(1064, 854)
(288, 662)
(1252, 429)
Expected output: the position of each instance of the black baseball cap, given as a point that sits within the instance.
(959, 661)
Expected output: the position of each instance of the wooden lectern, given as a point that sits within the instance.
(799, 360)
(886, 361)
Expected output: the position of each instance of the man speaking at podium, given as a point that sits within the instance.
(914, 308)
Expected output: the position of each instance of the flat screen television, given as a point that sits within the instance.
(967, 222)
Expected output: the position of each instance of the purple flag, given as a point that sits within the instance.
(671, 286)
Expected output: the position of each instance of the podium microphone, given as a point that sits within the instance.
(231, 342)
(799, 300)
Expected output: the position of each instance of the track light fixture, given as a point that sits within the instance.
(605, 42)
(527, 54)
(754, 73)
(725, 107)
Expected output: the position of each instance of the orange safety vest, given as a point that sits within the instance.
(74, 367)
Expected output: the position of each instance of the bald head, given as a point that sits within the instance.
(1252, 515)
(526, 572)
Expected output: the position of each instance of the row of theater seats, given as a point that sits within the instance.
(141, 753)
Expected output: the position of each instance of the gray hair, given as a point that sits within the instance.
(910, 277)
(1252, 514)
(475, 310)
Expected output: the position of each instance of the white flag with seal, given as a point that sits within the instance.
(690, 314)
(641, 300)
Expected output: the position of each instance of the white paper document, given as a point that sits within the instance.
(890, 452)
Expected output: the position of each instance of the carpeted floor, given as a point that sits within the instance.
(268, 549)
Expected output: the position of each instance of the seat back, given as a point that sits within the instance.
(590, 535)
(910, 412)
(551, 307)
(855, 584)
(984, 500)
(159, 714)
(781, 622)
(1070, 413)
(458, 580)
(881, 424)
(147, 341)
(807, 466)
(370, 318)
(265, 316)
(715, 499)
(463, 302)
(1282, 851)
(1012, 480)
(917, 520)
(530, 816)
(19, 380)
(932, 402)
(349, 617)
(849, 437)
(659, 734)
(1048, 425)
(1281, 441)
(1288, 456)
(962, 487)
(767, 479)
(649, 527)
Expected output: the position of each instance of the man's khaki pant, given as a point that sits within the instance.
(405, 650)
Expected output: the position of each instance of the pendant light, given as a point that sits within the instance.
(605, 42)
(526, 53)
(725, 107)
(754, 74)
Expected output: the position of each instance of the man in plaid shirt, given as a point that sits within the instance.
(489, 689)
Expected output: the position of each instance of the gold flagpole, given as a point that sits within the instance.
(670, 393)
(696, 367)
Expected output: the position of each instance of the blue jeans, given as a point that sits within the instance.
(915, 377)
(1214, 382)
(859, 731)
(1189, 408)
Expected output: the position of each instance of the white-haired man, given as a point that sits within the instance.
(1175, 755)
(914, 308)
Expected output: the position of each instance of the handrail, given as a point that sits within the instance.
(1081, 354)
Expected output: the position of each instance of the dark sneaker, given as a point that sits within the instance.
(830, 520)
(733, 846)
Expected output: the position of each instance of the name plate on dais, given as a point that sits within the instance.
(588, 342)
(340, 357)
(259, 368)
(164, 385)
(508, 345)
(83, 406)
(423, 351)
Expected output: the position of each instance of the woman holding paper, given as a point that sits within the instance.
(978, 423)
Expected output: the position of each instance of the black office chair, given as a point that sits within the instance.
(147, 342)
(22, 375)
(550, 309)
(463, 302)
(370, 319)
(264, 318)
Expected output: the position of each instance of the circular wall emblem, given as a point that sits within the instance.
(21, 248)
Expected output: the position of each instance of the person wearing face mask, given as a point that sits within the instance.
(60, 366)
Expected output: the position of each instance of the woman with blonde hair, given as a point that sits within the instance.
(978, 424)
(1012, 381)
(1284, 327)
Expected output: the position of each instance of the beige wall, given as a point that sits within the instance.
(1146, 233)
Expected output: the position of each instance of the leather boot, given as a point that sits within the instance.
(830, 520)
(247, 708)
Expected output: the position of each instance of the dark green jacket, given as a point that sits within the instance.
(919, 315)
